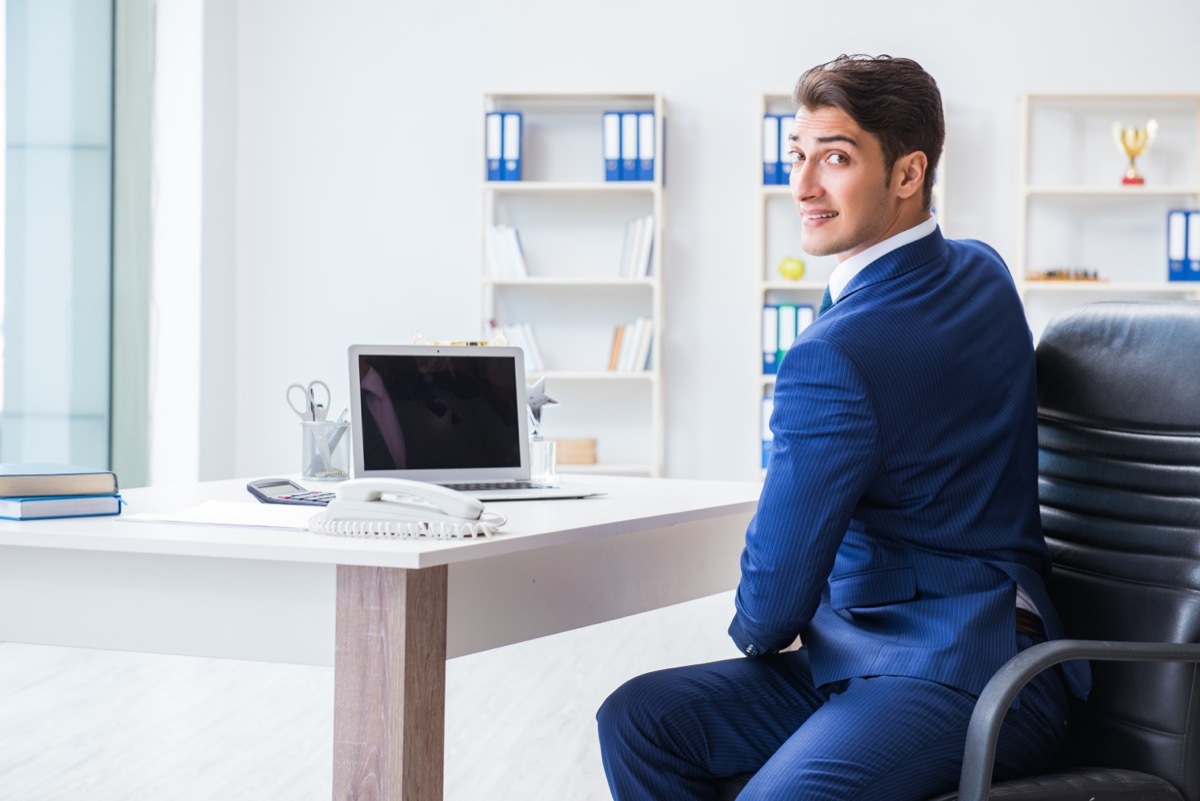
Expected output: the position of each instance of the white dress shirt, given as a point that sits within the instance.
(852, 266)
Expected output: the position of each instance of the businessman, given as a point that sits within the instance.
(897, 533)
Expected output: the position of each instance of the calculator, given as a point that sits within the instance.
(282, 490)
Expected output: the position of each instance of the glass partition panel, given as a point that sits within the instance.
(57, 271)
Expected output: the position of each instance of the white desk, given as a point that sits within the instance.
(386, 614)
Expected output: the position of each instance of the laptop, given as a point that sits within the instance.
(450, 415)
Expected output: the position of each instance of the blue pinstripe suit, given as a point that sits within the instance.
(898, 515)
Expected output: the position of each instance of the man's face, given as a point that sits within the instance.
(839, 184)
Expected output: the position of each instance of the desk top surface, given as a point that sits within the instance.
(630, 505)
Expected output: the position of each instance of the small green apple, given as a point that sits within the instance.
(792, 268)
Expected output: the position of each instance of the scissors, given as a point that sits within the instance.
(314, 405)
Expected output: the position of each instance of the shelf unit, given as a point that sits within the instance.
(779, 238)
(572, 226)
(1073, 212)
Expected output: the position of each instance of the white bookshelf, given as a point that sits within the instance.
(572, 226)
(1073, 212)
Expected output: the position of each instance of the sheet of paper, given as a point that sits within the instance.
(233, 513)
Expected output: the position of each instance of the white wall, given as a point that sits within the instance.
(176, 202)
(358, 158)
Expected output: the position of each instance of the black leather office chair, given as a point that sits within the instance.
(1119, 484)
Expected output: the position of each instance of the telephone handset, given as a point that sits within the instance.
(394, 507)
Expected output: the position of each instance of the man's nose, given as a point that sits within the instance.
(804, 180)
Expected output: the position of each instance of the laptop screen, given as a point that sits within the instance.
(438, 413)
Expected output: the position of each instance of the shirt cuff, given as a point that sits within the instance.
(741, 638)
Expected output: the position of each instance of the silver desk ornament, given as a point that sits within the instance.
(538, 400)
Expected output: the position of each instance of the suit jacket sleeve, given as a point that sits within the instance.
(826, 451)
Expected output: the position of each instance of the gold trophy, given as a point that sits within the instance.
(1133, 142)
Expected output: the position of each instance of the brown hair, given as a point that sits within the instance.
(893, 99)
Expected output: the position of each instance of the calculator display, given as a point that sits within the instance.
(281, 488)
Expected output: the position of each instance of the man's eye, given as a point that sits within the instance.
(837, 158)
(794, 157)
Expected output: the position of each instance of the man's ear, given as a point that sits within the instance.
(909, 174)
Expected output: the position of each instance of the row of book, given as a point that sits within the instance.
(629, 144)
(630, 351)
(638, 247)
(777, 161)
(781, 324)
(520, 335)
(502, 145)
(631, 346)
(38, 491)
(505, 256)
(1183, 245)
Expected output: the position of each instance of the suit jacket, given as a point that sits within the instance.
(900, 509)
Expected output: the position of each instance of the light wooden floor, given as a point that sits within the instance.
(105, 726)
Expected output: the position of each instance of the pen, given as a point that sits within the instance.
(336, 436)
(325, 448)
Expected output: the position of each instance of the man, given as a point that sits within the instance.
(897, 532)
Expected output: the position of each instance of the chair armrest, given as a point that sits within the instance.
(984, 729)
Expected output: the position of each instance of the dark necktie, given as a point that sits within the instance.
(826, 302)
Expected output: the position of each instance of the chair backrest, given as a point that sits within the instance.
(1119, 475)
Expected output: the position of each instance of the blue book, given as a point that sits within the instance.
(42, 507)
(770, 149)
(612, 145)
(784, 174)
(646, 133)
(770, 339)
(493, 136)
(629, 146)
(510, 144)
(22, 480)
(1193, 245)
(1177, 245)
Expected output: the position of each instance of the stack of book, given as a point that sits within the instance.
(502, 145)
(506, 258)
(629, 142)
(776, 149)
(520, 335)
(638, 247)
(630, 351)
(36, 491)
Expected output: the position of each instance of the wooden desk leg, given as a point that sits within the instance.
(389, 680)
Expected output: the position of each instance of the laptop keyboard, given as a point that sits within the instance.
(475, 486)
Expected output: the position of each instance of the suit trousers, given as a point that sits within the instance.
(672, 733)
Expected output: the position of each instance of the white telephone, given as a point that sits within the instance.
(394, 507)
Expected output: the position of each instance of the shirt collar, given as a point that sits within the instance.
(846, 270)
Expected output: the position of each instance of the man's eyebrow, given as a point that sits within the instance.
(824, 140)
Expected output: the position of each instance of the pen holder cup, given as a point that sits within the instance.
(542, 459)
(325, 451)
